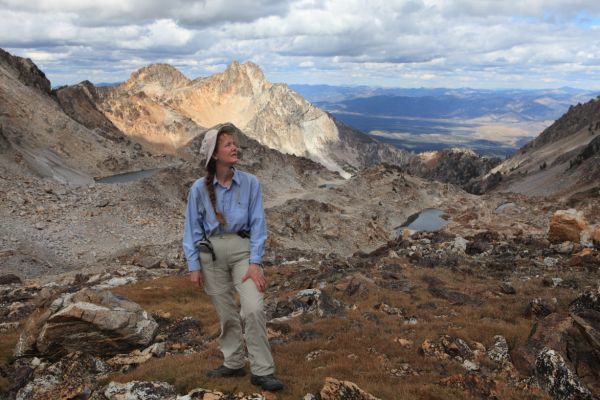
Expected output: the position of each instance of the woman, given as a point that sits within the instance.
(223, 241)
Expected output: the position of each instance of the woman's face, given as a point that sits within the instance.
(226, 152)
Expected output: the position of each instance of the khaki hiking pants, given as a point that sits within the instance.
(220, 278)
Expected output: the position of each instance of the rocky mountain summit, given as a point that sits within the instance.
(160, 105)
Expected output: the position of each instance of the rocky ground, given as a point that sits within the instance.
(495, 305)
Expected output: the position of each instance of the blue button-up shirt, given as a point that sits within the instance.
(240, 204)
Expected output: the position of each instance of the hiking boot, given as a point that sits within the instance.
(267, 382)
(224, 372)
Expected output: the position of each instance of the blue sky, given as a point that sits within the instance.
(411, 43)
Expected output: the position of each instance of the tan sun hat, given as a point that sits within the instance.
(208, 146)
(209, 142)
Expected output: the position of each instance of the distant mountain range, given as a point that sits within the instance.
(495, 122)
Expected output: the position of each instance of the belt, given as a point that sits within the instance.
(205, 245)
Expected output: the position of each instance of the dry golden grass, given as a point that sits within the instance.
(174, 295)
(8, 341)
(353, 347)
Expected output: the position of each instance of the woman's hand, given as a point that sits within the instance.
(196, 278)
(256, 274)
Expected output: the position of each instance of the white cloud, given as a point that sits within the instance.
(428, 42)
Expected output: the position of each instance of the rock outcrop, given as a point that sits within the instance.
(90, 321)
(343, 390)
(25, 71)
(558, 379)
(457, 166)
(79, 102)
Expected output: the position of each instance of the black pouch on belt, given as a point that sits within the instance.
(205, 246)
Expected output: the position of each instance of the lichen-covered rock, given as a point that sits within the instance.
(91, 321)
(589, 300)
(450, 347)
(343, 390)
(138, 390)
(72, 377)
(566, 226)
(548, 332)
(309, 301)
(557, 378)
(499, 350)
(156, 390)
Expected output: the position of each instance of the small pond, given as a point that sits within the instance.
(430, 220)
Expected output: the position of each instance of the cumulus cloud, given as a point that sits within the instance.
(405, 42)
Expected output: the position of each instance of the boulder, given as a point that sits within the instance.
(566, 226)
(72, 377)
(139, 390)
(92, 321)
(551, 332)
(343, 390)
(538, 308)
(499, 351)
(307, 301)
(585, 311)
(555, 376)
(589, 300)
(451, 347)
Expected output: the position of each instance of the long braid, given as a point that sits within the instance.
(210, 176)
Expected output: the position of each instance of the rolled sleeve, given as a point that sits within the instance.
(193, 230)
(258, 224)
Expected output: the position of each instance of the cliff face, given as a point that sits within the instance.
(457, 166)
(159, 104)
(25, 71)
(79, 102)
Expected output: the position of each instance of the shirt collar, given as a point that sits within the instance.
(235, 178)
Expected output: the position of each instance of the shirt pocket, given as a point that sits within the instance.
(241, 212)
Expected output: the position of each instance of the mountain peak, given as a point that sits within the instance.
(164, 75)
(25, 71)
(248, 68)
(246, 78)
